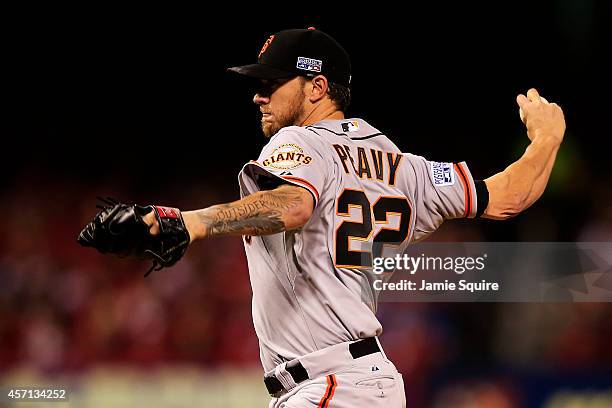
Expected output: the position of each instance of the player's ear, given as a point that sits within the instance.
(318, 88)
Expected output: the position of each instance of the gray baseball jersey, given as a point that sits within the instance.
(308, 284)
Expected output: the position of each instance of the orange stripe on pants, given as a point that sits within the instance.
(329, 392)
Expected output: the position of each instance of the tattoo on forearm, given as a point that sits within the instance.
(259, 214)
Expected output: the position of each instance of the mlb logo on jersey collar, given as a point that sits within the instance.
(352, 126)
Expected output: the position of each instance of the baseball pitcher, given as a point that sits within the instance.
(322, 191)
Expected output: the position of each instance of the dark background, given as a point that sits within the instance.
(137, 105)
(96, 98)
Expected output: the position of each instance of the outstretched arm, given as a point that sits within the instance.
(285, 208)
(523, 182)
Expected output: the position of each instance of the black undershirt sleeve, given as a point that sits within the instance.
(482, 196)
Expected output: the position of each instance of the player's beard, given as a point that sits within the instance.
(291, 116)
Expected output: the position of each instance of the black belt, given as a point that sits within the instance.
(298, 372)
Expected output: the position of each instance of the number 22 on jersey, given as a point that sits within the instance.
(377, 213)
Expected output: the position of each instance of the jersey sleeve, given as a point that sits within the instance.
(289, 158)
(442, 191)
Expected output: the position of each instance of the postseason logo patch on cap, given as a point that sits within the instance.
(309, 64)
(442, 174)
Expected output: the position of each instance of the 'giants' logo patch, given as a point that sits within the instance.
(286, 157)
(442, 174)
(309, 64)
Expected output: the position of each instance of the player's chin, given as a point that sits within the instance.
(267, 129)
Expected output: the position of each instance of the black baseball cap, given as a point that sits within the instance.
(304, 52)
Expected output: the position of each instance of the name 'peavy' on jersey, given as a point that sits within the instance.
(370, 164)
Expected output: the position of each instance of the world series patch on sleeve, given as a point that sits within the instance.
(442, 174)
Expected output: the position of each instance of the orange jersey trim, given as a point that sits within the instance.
(302, 182)
(298, 180)
(466, 187)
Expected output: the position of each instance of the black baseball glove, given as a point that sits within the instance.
(120, 229)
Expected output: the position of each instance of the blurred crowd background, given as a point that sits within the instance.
(140, 108)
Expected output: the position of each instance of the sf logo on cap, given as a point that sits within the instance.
(266, 45)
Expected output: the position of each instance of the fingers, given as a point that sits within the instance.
(533, 95)
(152, 223)
(522, 100)
(154, 230)
(528, 103)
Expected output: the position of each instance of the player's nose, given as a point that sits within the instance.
(260, 99)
